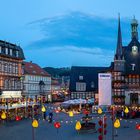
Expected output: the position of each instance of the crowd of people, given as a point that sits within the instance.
(132, 114)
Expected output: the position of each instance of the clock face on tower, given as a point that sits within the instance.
(134, 49)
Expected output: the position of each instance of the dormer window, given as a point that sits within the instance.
(11, 52)
(34, 71)
(17, 53)
(6, 50)
(31, 66)
(80, 77)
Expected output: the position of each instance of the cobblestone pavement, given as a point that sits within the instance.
(22, 130)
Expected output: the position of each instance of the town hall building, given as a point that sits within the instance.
(126, 69)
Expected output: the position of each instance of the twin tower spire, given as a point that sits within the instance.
(134, 35)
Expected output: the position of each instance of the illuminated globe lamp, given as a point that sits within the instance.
(35, 123)
(71, 114)
(78, 125)
(3, 115)
(100, 111)
(117, 123)
(43, 109)
(126, 110)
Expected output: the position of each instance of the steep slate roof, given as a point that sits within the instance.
(131, 58)
(14, 47)
(90, 74)
(119, 41)
(34, 69)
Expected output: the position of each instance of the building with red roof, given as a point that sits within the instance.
(37, 82)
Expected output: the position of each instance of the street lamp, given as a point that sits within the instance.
(117, 125)
(43, 109)
(100, 111)
(78, 125)
(34, 125)
(126, 110)
(71, 114)
(3, 116)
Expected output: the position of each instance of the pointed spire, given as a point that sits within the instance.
(119, 40)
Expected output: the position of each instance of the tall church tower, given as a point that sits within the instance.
(119, 62)
(134, 28)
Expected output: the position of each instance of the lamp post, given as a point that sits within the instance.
(103, 125)
(7, 110)
(43, 109)
(113, 117)
(3, 116)
(57, 125)
(26, 106)
(117, 125)
(34, 125)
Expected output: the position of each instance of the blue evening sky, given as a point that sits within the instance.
(61, 33)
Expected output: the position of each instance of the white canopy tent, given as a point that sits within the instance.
(18, 105)
(78, 101)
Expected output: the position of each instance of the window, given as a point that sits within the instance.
(0, 66)
(11, 52)
(17, 53)
(92, 84)
(80, 86)
(34, 71)
(16, 69)
(10, 68)
(78, 95)
(6, 50)
(129, 80)
(5, 67)
(133, 80)
(80, 77)
(126, 79)
(0, 49)
(119, 77)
